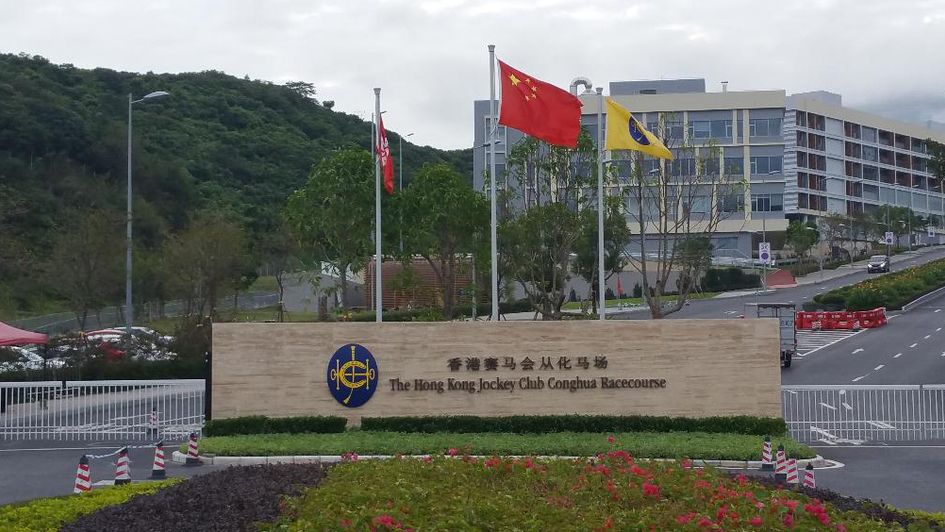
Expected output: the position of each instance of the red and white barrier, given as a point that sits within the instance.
(780, 468)
(792, 471)
(766, 463)
(158, 470)
(153, 421)
(843, 320)
(83, 477)
(809, 477)
(122, 468)
(193, 454)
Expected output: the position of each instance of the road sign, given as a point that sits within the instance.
(889, 237)
(764, 252)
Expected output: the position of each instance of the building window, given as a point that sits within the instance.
(767, 202)
(734, 166)
(870, 153)
(870, 172)
(732, 202)
(700, 129)
(765, 165)
(800, 118)
(868, 134)
(764, 127)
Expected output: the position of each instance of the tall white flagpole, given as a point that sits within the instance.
(378, 270)
(492, 184)
(600, 202)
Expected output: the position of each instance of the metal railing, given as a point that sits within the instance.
(101, 410)
(857, 414)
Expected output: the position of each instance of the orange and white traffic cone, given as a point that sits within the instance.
(780, 468)
(122, 468)
(83, 478)
(157, 470)
(766, 463)
(792, 471)
(809, 476)
(193, 455)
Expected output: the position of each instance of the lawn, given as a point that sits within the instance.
(576, 305)
(641, 444)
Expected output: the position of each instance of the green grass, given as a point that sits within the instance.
(52, 513)
(576, 305)
(639, 444)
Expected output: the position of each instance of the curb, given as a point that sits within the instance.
(818, 461)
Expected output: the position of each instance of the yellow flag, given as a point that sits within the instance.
(625, 133)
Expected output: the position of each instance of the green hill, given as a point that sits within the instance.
(219, 143)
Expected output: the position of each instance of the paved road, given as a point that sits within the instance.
(47, 469)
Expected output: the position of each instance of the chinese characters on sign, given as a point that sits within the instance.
(526, 364)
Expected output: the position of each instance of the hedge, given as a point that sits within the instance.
(273, 425)
(576, 423)
(724, 279)
(892, 290)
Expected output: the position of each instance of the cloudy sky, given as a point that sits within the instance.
(430, 58)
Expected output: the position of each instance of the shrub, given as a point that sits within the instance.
(274, 425)
(50, 514)
(576, 423)
(891, 290)
(637, 290)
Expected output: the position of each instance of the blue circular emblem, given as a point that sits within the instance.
(636, 134)
(352, 375)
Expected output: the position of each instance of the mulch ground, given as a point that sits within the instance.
(233, 499)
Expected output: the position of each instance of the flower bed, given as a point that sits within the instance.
(641, 444)
(50, 514)
(236, 498)
(613, 492)
(891, 290)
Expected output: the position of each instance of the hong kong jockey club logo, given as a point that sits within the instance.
(352, 375)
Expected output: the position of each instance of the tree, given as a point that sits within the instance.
(835, 228)
(674, 208)
(302, 88)
(443, 218)
(332, 216)
(546, 191)
(86, 264)
(278, 252)
(208, 256)
(802, 236)
(616, 234)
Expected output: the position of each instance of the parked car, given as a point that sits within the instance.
(878, 264)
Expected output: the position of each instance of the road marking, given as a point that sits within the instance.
(927, 336)
(938, 310)
(881, 424)
(897, 355)
(809, 342)
(857, 350)
(939, 329)
(943, 353)
(867, 375)
(915, 344)
(879, 367)
(828, 406)
(730, 312)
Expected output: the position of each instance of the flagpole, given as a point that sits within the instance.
(378, 290)
(600, 201)
(492, 185)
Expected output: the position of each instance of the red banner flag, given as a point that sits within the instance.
(383, 151)
(539, 109)
(619, 289)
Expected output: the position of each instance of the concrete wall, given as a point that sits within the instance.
(706, 367)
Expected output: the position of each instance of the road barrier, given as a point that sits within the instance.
(857, 414)
(102, 410)
(841, 320)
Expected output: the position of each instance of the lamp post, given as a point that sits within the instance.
(129, 308)
(400, 181)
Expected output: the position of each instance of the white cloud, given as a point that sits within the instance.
(430, 57)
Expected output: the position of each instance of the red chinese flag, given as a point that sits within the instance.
(383, 151)
(539, 109)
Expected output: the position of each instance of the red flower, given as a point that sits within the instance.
(344, 523)
(755, 521)
(611, 439)
(452, 451)
(705, 522)
(789, 520)
(824, 519)
(686, 463)
(841, 528)
(791, 505)
(684, 518)
(384, 520)
(651, 490)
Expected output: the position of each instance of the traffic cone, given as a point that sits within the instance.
(83, 478)
(856, 325)
(122, 468)
(780, 469)
(766, 463)
(792, 471)
(157, 470)
(193, 456)
(809, 476)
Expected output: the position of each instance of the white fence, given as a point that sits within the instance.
(101, 410)
(858, 414)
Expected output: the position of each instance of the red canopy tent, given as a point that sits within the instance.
(10, 335)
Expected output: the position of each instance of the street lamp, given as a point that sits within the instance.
(400, 164)
(129, 309)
